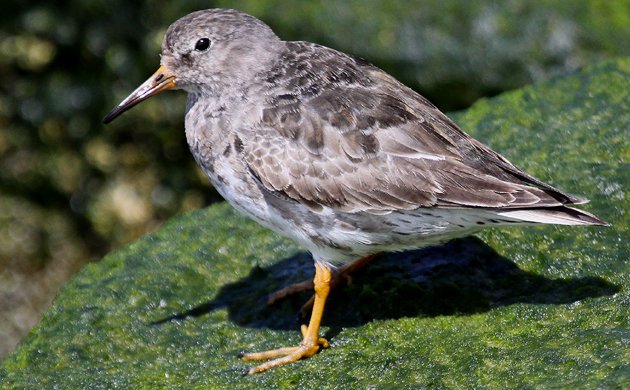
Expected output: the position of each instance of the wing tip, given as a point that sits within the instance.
(562, 215)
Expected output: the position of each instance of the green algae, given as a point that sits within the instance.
(520, 307)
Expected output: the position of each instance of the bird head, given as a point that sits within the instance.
(206, 52)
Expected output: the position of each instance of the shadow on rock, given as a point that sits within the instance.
(464, 276)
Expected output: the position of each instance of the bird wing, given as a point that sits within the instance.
(343, 134)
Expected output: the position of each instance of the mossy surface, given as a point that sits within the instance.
(520, 307)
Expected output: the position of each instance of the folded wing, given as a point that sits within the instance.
(348, 136)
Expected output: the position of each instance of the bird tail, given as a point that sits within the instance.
(561, 215)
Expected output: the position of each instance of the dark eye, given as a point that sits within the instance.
(202, 44)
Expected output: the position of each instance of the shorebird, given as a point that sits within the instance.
(333, 152)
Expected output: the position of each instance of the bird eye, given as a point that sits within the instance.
(202, 44)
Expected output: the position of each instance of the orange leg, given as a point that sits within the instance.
(342, 274)
(311, 342)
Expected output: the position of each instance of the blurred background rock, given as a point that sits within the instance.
(71, 189)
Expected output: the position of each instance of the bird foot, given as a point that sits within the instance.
(307, 348)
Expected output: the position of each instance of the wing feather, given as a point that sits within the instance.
(352, 138)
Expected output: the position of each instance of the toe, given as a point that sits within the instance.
(301, 352)
(265, 355)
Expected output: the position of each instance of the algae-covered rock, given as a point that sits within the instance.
(519, 307)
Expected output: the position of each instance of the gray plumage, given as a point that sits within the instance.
(335, 153)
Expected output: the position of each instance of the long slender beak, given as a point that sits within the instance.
(161, 80)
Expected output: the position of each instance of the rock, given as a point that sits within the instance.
(521, 307)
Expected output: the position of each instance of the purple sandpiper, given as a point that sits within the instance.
(334, 153)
